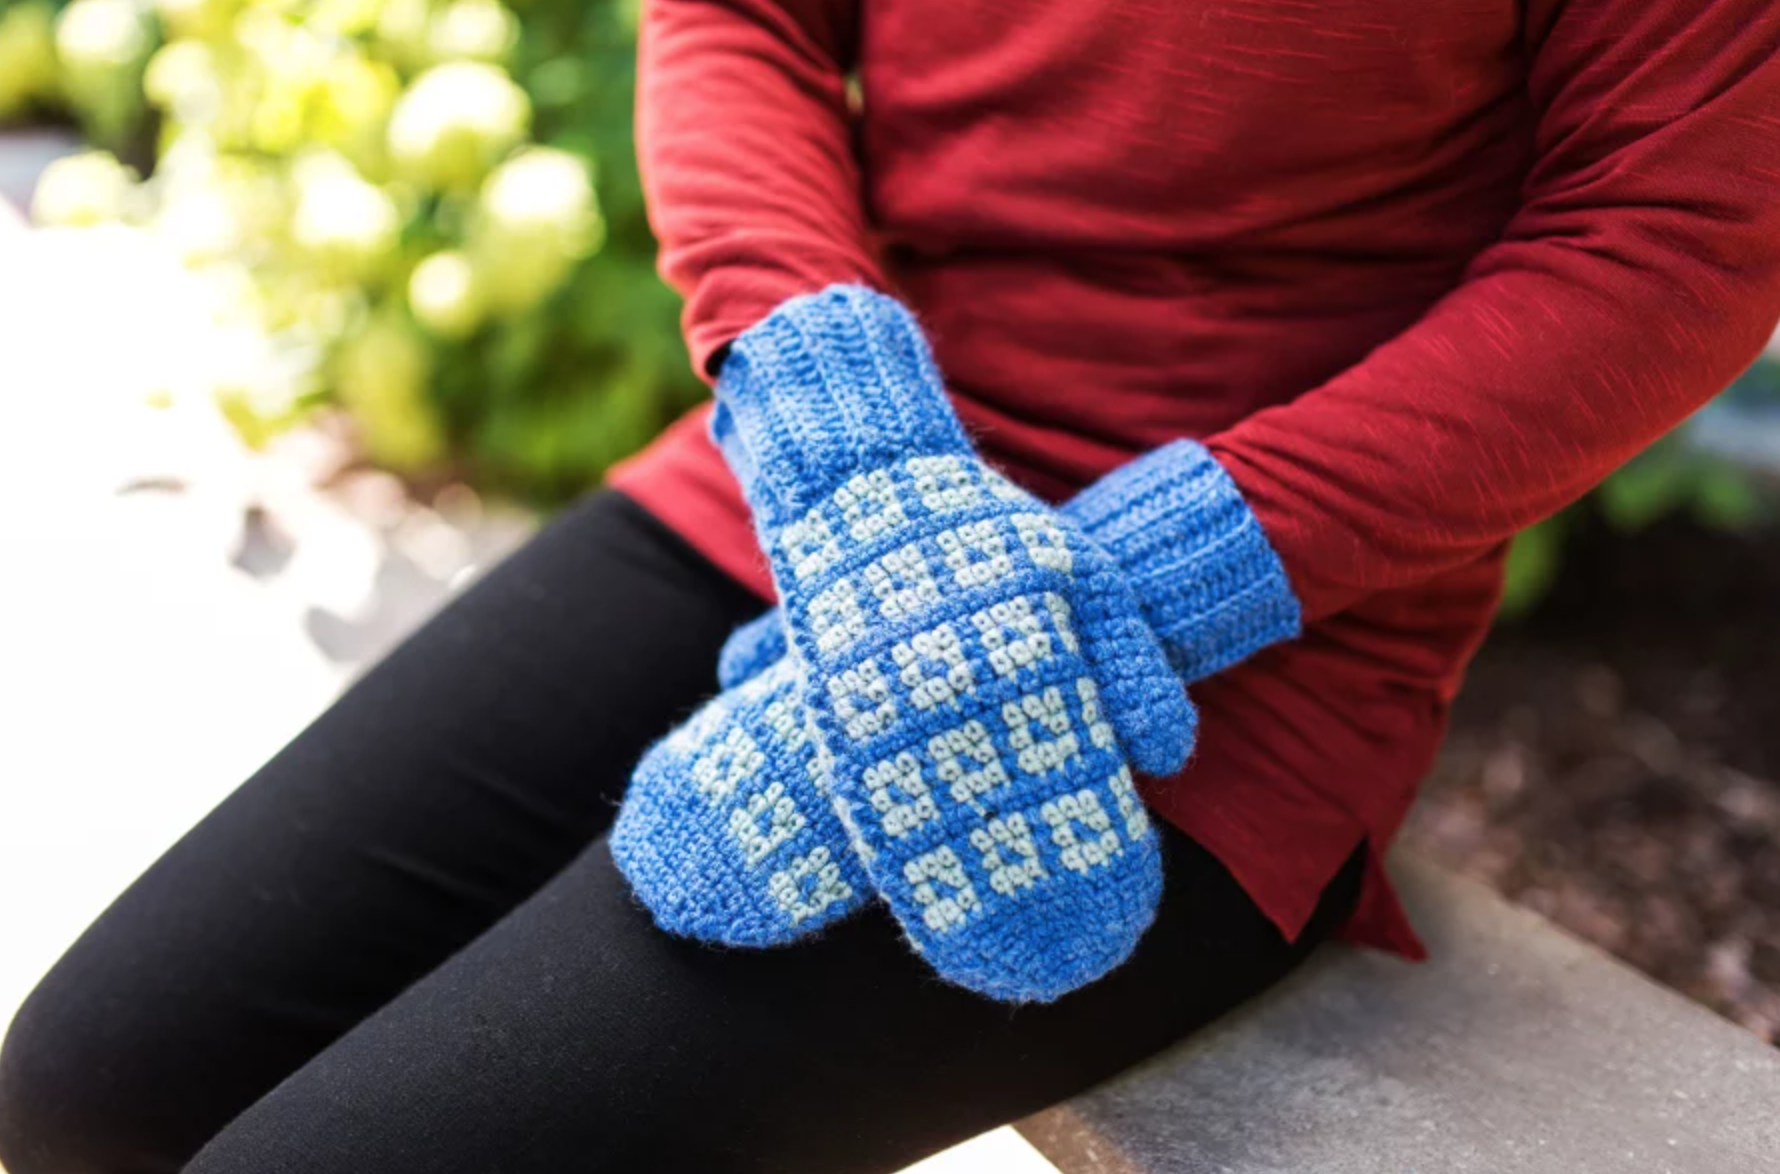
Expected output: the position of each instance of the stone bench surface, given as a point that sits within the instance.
(1517, 1050)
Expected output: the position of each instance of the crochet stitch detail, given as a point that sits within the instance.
(973, 666)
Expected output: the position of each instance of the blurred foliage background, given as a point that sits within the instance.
(429, 211)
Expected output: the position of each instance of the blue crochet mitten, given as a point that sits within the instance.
(752, 649)
(727, 832)
(1208, 581)
(974, 665)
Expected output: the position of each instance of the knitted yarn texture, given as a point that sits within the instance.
(1209, 584)
(971, 663)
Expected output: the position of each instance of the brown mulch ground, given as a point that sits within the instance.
(1615, 763)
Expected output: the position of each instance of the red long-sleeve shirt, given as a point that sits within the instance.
(1418, 274)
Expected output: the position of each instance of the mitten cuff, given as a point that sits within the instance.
(826, 386)
(1209, 582)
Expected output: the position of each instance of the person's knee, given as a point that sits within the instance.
(66, 1101)
(38, 1096)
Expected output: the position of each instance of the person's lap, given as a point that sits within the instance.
(355, 950)
(576, 1036)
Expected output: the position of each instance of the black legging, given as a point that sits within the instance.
(402, 947)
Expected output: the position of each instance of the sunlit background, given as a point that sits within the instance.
(308, 309)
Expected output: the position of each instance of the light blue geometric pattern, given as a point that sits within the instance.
(727, 833)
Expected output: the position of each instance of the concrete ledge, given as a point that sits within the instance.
(1518, 1050)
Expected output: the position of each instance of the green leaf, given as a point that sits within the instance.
(1726, 498)
(1534, 559)
(1647, 488)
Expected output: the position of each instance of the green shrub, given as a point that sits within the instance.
(28, 67)
(429, 208)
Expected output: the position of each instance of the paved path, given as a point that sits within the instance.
(154, 646)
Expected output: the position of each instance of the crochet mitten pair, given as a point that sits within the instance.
(947, 715)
